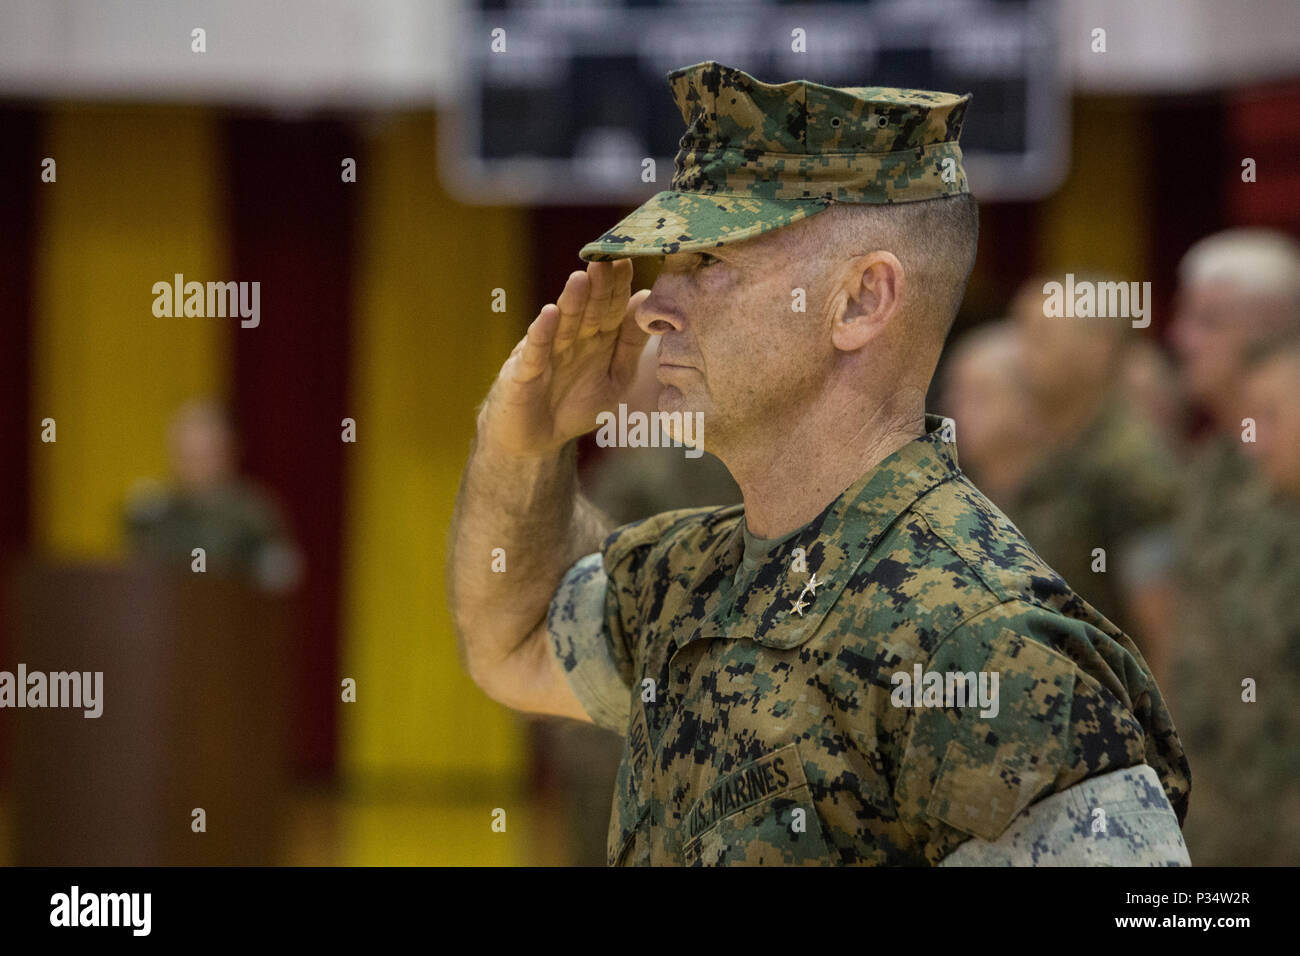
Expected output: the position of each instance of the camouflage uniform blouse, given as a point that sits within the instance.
(758, 698)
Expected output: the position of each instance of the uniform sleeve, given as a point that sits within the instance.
(1056, 702)
(595, 616)
(1121, 818)
(595, 665)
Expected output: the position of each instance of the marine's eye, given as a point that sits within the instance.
(707, 259)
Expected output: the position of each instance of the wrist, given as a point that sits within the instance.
(487, 445)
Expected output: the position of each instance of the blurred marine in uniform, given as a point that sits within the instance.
(1238, 658)
(984, 387)
(864, 662)
(209, 506)
(1238, 292)
(1099, 502)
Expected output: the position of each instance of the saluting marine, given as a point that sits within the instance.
(760, 659)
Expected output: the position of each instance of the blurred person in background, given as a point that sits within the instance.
(1238, 290)
(1239, 299)
(208, 505)
(1154, 390)
(1273, 396)
(627, 484)
(1102, 478)
(984, 389)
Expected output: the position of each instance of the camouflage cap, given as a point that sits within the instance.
(758, 156)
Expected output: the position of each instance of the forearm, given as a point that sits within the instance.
(519, 521)
(531, 509)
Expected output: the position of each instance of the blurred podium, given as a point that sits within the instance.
(193, 696)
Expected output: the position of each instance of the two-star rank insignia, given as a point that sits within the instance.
(809, 588)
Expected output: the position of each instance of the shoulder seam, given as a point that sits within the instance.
(1003, 593)
(952, 547)
(970, 618)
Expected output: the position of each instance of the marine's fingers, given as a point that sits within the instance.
(571, 303)
(622, 278)
(536, 352)
(631, 341)
(600, 275)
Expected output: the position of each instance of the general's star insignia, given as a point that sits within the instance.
(799, 605)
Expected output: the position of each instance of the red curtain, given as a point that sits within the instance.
(293, 224)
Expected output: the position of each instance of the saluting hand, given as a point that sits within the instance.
(579, 358)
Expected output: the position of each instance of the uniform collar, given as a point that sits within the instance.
(760, 605)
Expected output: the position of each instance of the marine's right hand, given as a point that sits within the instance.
(579, 358)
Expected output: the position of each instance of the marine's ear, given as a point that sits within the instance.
(868, 296)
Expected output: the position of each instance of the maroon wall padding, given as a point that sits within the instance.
(292, 227)
(1264, 125)
(1185, 185)
(1009, 248)
(558, 232)
(20, 183)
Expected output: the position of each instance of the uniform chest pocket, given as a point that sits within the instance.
(759, 815)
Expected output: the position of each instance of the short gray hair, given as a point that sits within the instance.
(1261, 261)
(934, 239)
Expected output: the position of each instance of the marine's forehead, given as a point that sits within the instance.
(1222, 291)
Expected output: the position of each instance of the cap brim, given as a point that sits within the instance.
(671, 222)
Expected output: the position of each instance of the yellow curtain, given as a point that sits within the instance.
(427, 345)
(135, 202)
(1099, 218)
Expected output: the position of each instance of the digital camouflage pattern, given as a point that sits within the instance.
(1121, 818)
(759, 156)
(1240, 558)
(746, 716)
(1220, 498)
(633, 484)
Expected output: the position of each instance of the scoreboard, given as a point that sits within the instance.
(565, 100)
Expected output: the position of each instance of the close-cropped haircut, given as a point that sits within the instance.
(934, 239)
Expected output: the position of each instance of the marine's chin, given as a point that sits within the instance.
(671, 399)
